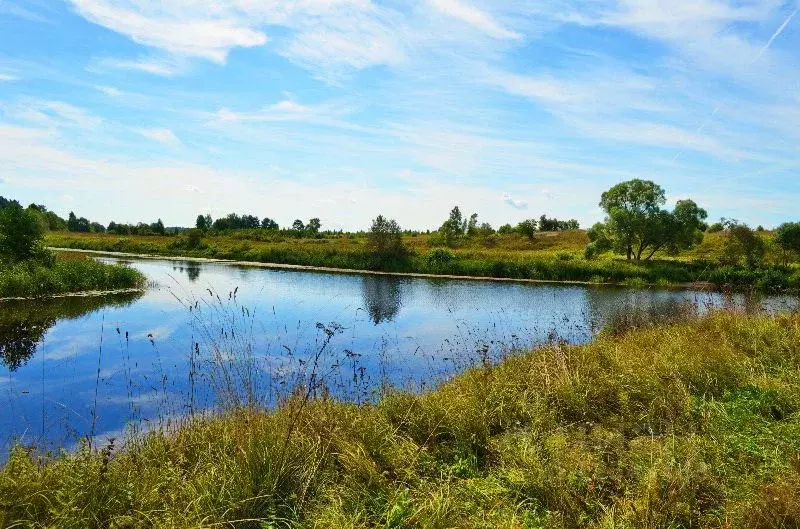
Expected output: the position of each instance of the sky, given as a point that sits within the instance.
(132, 110)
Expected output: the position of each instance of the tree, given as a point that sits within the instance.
(527, 228)
(384, 238)
(158, 227)
(269, 224)
(80, 225)
(787, 236)
(298, 225)
(472, 225)
(637, 226)
(546, 224)
(203, 222)
(505, 229)
(454, 227)
(21, 234)
(742, 244)
(314, 225)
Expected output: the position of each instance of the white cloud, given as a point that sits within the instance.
(328, 36)
(514, 203)
(164, 67)
(474, 17)
(182, 30)
(7, 77)
(160, 135)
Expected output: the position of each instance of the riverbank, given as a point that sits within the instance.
(67, 275)
(555, 257)
(693, 425)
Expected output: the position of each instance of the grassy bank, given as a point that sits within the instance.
(693, 425)
(67, 273)
(556, 256)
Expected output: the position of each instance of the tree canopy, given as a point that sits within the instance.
(787, 236)
(638, 227)
(21, 234)
(384, 238)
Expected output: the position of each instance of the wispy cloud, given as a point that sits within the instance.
(161, 135)
(8, 77)
(164, 66)
(476, 18)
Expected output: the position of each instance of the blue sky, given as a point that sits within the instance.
(129, 110)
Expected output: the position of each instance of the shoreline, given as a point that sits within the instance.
(700, 286)
(79, 294)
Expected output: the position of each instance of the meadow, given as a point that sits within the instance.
(549, 256)
(65, 274)
(693, 424)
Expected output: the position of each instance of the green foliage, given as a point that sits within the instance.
(314, 225)
(454, 228)
(233, 221)
(203, 222)
(690, 425)
(787, 236)
(32, 278)
(637, 227)
(439, 257)
(21, 234)
(269, 224)
(742, 245)
(546, 224)
(715, 228)
(385, 239)
(298, 225)
(527, 228)
(79, 225)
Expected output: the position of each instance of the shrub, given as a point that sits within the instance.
(21, 235)
(439, 256)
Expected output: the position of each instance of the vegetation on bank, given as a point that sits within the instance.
(27, 269)
(640, 242)
(690, 425)
(555, 256)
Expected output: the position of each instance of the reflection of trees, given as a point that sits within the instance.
(24, 323)
(192, 270)
(381, 297)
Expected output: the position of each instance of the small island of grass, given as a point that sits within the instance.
(27, 269)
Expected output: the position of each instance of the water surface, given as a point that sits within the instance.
(202, 333)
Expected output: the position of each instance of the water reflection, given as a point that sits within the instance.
(190, 268)
(24, 323)
(382, 297)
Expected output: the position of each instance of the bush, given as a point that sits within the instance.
(21, 235)
(439, 256)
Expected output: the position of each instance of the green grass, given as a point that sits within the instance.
(66, 274)
(690, 425)
(554, 256)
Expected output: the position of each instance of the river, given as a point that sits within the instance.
(207, 335)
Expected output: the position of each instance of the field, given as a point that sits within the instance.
(690, 425)
(550, 256)
(67, 274)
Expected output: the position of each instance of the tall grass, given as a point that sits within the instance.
(687, 425)
(66, 274)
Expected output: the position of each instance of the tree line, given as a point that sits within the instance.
(637, 225)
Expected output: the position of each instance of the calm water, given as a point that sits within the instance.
(205, 333)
